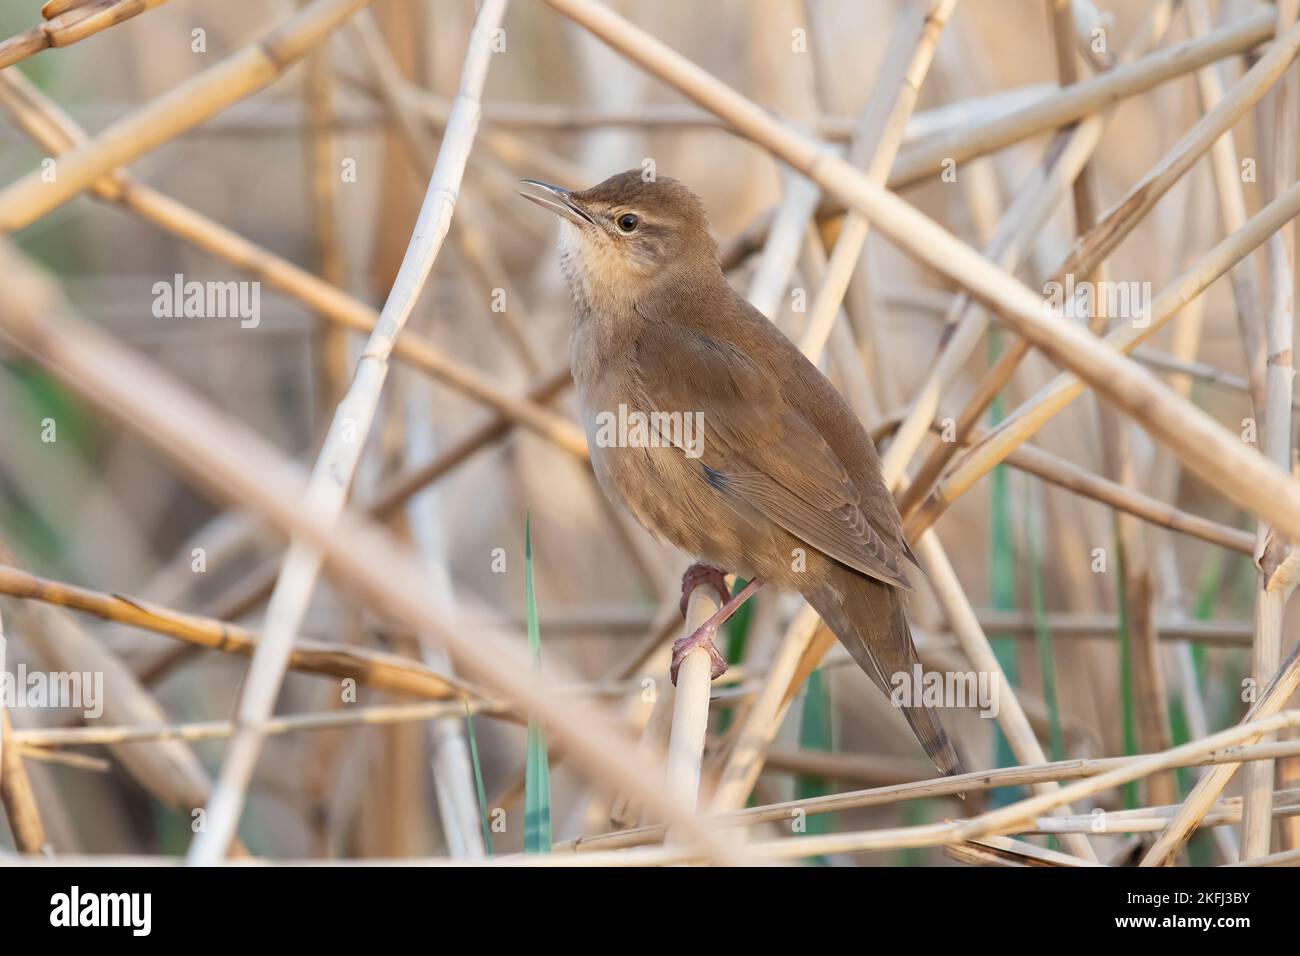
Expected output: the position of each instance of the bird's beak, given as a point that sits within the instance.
(557, 199)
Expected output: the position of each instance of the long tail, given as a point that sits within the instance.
(869, 620)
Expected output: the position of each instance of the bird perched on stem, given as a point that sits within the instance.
(714, 430)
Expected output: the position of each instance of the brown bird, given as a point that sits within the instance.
(781, 485)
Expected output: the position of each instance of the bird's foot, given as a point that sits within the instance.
(701, 573)
(703, 637)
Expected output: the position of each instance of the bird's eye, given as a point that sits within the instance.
(628, 221)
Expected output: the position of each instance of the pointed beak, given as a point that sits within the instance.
(557, 199)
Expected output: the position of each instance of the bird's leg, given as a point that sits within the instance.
(701, 573)
(703, 635)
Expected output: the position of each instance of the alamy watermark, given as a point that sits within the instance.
(133, 911)
(922, 688)
(630, 428)
(179, 299)
(77, 690)
(1127, 301)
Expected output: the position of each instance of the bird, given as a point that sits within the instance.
(720, 437)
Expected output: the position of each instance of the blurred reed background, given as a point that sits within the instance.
(1120, 636)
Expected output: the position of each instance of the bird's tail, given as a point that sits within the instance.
(869, 620)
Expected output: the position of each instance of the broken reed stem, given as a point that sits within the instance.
(327, 489)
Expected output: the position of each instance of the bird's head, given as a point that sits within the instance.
(627, 236)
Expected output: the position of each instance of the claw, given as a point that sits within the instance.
(702, 637)
(701, 573)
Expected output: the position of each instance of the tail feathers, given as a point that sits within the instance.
(869, 619)
(929, 732)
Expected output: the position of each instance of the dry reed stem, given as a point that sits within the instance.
(327, 247)
(941, 835)
(1203, 371)
(170, 772)
(63, 27)
(577, 118)
(1138, 596)
(691, 705)
(1065, 160)
(21, 808)
(1208, 788)
(1245, 733)
(182, 108)
(1119, 221)
(43, 121)
(967, 783)
(44, 738)
(234, 465)
(1005, 851)
(1031, 415)
(327, 489)
(370, 668)
(844, 354)
(761, 721)
(1201, 443)
(1146, 819)
(468, 229)
(1232, 208)
(1065, 474)
(1284, 858)
(965, 322)
(1079, 101)
(379, 715)
(875, 146)
(1065, 37)
(1274, 590)
(1213, 633)
(975, 645)
(244, 595)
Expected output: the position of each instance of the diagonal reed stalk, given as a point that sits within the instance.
(327, 490)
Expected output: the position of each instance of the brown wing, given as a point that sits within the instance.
(759, 449)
